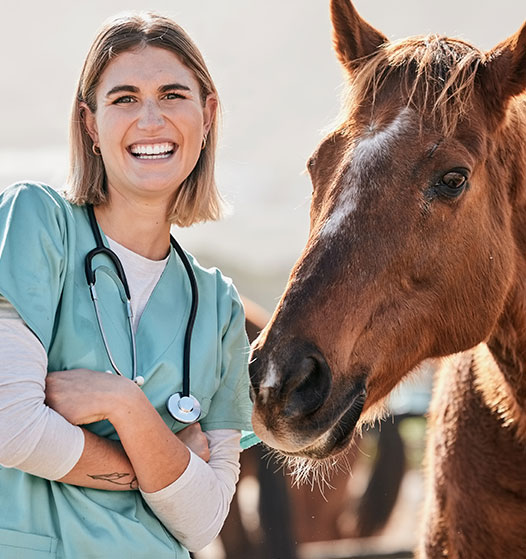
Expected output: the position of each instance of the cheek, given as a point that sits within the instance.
(475, 276)
(110, 129)
(189, 122)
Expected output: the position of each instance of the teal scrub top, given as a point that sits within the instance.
(43, 243)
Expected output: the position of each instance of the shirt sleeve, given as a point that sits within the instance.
(194, 507)
(230, 406)
(33, 438)
(33, 254)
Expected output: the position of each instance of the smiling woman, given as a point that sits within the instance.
(111, 465)
(154, 78)
(149, 132)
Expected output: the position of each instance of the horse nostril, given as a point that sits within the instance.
(308, 387)
(294, 380)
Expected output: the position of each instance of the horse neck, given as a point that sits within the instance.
(507, 342)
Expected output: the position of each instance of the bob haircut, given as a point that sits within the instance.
(197, 199)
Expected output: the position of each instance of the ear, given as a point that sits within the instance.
(504, 73)
(209, 112)
(353, 37)
(89, 121)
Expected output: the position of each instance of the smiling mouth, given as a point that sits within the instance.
(152, 151)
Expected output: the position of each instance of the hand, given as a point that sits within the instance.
(194, 438)
(83, 396)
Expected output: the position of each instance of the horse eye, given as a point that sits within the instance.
(454, 179)
(453, 183)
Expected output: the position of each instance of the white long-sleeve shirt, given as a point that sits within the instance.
(36, 439)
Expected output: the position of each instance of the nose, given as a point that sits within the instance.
(151, 116)
(296, 379)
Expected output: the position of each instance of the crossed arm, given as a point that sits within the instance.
(149, 455)
(148, 450)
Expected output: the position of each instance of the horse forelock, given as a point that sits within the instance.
(435, 75)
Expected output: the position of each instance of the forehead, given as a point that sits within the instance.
(377, 138)
(148, 66)
(368, 157)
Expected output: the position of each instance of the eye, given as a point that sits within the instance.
(454, 180)
(172, 95)
(124, 100)
(453, 183)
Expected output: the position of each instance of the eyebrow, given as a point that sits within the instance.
(172, 86)
(120, 88)
(134, 89)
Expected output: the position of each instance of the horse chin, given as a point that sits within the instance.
(332, 442)
(337, 439)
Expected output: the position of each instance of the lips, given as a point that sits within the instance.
(337, 438)
(152, 151)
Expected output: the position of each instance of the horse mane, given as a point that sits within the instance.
(436, 75)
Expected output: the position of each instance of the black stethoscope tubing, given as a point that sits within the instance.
(180, 413)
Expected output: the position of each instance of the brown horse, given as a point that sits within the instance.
(416, 251)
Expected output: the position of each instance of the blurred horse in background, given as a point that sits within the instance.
(416, 251)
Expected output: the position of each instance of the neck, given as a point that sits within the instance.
(140, 227)
(507, 342)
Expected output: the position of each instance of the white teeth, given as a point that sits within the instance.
(164, 156)
(152, 151)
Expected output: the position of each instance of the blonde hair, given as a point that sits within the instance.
(197, 198)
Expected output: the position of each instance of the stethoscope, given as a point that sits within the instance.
(182, 406)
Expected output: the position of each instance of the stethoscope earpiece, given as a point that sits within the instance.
(185, 409)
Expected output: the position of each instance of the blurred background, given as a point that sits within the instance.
(280, 85)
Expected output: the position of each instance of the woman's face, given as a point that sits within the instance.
(149, 123)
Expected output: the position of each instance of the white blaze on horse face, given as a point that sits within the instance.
(346, 206)
(368, 149)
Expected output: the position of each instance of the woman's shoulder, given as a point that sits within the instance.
(211, 277)
(213, 284)
(34, 195)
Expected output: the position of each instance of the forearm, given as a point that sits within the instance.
(102, 465)
(158, 457)
(195, 506)
(84, 396)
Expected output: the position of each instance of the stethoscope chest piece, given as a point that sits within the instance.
(185, 409)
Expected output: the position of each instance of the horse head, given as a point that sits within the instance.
(413, 237)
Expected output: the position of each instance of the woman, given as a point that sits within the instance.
(143, 133)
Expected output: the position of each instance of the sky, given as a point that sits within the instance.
(279, 83)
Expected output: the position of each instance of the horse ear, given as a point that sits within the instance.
(504, 73)
(353, 37)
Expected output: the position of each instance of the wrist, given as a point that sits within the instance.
(126, 403)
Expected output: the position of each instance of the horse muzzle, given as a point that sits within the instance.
(298, 410)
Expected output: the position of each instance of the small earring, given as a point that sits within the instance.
(96, 149)
(203, 143)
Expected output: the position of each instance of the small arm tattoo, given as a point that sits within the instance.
(117, 479)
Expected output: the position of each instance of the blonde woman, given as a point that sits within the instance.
(91, 464)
